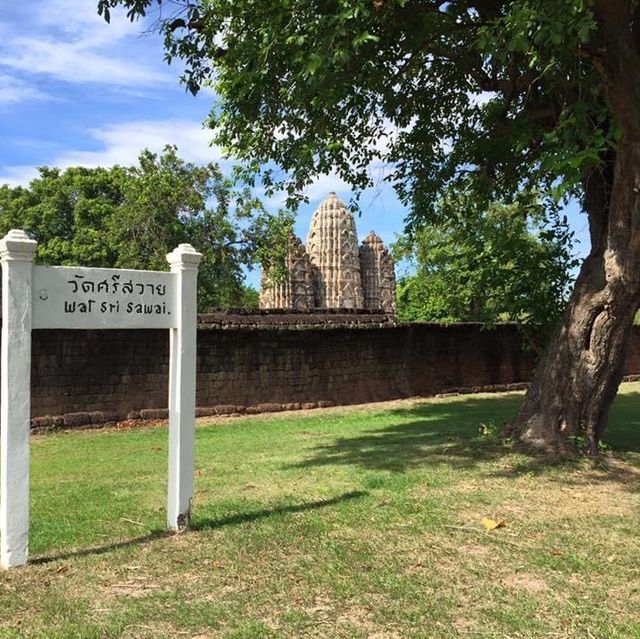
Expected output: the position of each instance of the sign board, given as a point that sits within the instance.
(35, 297)
(66, 297)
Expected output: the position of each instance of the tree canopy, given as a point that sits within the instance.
(500, 98)
(488, 266)
(500, 94)
(131, 217)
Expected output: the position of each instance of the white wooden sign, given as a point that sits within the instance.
(65, 297)
(36, 297)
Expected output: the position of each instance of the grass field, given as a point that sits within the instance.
(354, 523)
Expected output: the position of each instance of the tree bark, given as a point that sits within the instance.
(578, 376)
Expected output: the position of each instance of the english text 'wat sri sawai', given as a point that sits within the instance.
(332, 271)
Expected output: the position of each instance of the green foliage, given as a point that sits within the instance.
(502, 264)
(131, 217)
(249, 299)
(502, 95)
(477, 101)
(68, 212)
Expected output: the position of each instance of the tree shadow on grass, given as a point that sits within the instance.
(454, 433)
(201, 525)
(427, 434)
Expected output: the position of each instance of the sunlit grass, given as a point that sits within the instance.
(360, 522)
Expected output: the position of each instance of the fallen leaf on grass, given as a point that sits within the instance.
(492, 524)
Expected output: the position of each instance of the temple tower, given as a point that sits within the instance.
(296, 291)
(378, 275)
(332, 245)
(332, 272)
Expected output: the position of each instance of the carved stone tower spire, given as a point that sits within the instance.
(296, 291)
(332, 246)
(378, 275)
(333, 272)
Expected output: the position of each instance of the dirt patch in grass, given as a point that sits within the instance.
(525, 582)
(155, 630)
(576, 495)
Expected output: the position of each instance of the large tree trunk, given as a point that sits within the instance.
(578, 377)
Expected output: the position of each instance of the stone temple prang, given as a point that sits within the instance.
(332, 271)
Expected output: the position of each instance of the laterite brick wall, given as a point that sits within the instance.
(84, 376)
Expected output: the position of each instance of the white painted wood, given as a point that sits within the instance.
(184, 262)
(16, 256)
(63, 297)
(91, 298)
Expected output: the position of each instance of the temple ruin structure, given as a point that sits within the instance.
(332, 271)
(296, 291)
(378, 275)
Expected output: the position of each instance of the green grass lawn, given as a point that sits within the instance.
(354, 523)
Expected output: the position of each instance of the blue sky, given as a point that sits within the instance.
(76, 91)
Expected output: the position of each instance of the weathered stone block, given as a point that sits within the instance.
(42, 423)
(102, 417)
(269, 407)
(205, 411)
(76, 419)
(154, 413)
(225, 409)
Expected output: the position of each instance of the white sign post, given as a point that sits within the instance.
(16, 255)
(182, 387)
(90, 298)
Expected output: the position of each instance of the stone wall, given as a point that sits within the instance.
(252, 364)
(351, 366)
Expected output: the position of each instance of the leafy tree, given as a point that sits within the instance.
(489, 96)
(168, 201)
(68, 212)
(131, 217)
(488, 266)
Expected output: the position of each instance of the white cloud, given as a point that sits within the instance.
(67, 40)
(324, 184)
(78, 62)
(13, 91)
(122, 143)
(18, 175)
(315, 192)
(74, 16)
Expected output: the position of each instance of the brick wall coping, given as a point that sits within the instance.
(295, 320)
(319, 319)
